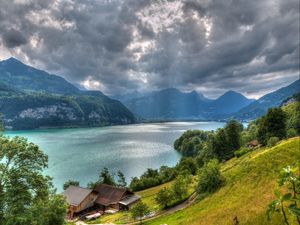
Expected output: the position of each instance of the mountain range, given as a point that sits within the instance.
(273, 99)
(32, 98)
(172, 104)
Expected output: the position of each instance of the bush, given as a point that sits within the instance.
(187, 164)
(292, 132)
(210, 178)
(139, 211)
(164, 197)
(242, 151)
(272, 141)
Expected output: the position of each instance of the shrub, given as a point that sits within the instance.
(242, 151)
(292, 132)
(164, 197)
(272, 141)
(139, 211)
(210, 178)
(187, 164)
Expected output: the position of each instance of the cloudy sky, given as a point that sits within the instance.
(118, 46)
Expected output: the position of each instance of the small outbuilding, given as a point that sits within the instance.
(127, 202)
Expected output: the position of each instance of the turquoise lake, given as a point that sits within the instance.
(80, 153)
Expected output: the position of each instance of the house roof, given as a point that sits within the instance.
(75, 195)
(253, 143)
(129, 199)
(108, 194)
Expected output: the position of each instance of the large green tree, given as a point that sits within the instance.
(233, 131)
(26, 195)
(273, 124)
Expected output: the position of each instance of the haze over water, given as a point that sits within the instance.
(80, 153)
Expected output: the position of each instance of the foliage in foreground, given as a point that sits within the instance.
(26, 195)
(287, 202)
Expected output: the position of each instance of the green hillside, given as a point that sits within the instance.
(249, 188)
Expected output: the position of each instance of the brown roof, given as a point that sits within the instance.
(108, 194)
(253, 143)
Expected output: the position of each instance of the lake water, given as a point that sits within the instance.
(80, 153)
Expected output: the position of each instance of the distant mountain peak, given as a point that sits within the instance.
(12, 59)
(232, 93)
(259, 107)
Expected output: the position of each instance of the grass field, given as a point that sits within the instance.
(250, 183)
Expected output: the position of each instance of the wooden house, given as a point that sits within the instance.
(253, 144)
(79, 199)
(103, 197)
(110, 197)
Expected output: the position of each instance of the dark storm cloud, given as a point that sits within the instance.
(13, 38)
(124, 45)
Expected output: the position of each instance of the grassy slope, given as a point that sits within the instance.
(250, 184)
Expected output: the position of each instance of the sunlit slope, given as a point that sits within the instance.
(250, 184)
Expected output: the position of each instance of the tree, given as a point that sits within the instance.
(180, 187)
(139, 211)
(188, 164)
(92, 185)
(250, 133)
(69, 183)
(191, 142)
(52, 212)
(233, 131)
(210, 178)
(220, 145)
(273, 124)
(292, 111)
(24, 188)
(167, 173)
(106, 177)
(164, 197)
(121, 180)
